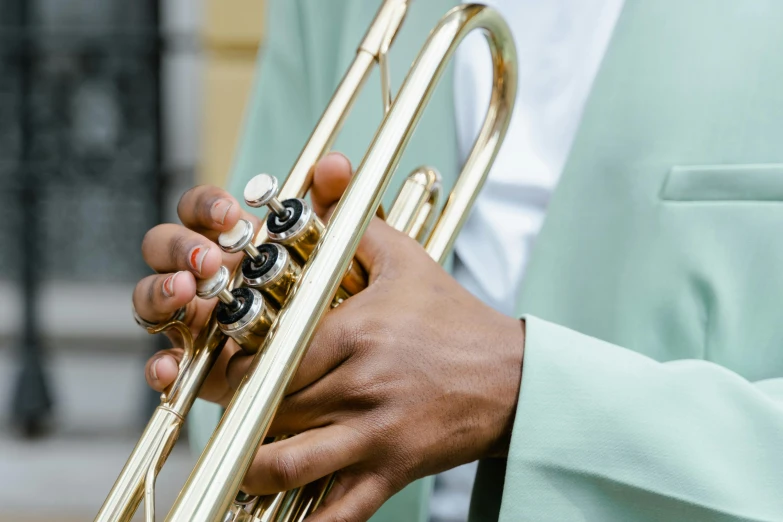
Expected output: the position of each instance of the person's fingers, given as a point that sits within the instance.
(157, 297)
(320, 404)
(332, 344)
(330, 179)
(303, 458)
(384, 250)
(355, 498)
(209, 210)
(162, 368)
(170, 248)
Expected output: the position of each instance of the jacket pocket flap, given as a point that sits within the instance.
(754, 182)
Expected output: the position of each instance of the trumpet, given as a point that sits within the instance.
(296, 268)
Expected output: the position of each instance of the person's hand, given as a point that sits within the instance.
(181, 253)
(410, 377)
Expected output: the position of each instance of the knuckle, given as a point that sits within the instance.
(368, 381)
(362, 438)
(140, 294)
(365, 331)
(178, 248)
(386, 484)
(357, 337)
(363, 381)
(144, 295)
(185, 203)
(151, 294)
(341, 336)
(284, 470)
(366, 388)
(403, 244)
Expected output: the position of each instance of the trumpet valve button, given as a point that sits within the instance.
(262, 190)
(237, 238)
(213, 286)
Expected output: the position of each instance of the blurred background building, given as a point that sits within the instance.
(109, 110)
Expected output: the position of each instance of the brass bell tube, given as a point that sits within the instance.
(212, 486)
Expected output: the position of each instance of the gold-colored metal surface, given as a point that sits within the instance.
(165, 424)
(355, 278)
(278, 283)
(414, 207)
(250, 332)
(271, 507)
(303, 237)
(209, 492)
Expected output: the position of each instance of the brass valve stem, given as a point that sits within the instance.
(274, 272)
(228, 299)
(217, 286)
(240, 238)
(261, 191)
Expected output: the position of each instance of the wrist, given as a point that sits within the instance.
(511, 354)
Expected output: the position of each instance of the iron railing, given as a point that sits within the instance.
(80, 157)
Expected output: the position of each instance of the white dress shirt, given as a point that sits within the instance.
(560, 45)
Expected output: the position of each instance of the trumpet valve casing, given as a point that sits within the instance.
(274, 273)
(300, 231)
(238, 239)
(249, 324)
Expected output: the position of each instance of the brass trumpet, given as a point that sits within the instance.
(321, 270)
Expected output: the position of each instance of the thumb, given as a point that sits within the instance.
(381, 243)
(330, 179)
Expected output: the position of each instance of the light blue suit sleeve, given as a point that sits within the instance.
(603, 433)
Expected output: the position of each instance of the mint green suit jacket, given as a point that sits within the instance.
(652, 385)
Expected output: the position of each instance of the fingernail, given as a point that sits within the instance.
(168, 285)
(343, 156)
(220, 210)
(197, 256)
(154, 368)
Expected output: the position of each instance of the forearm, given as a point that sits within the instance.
(618, 433)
